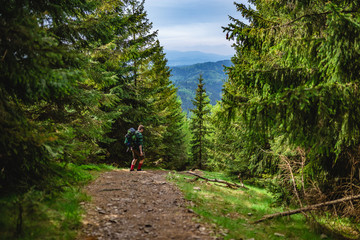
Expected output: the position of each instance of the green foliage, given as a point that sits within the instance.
(198, 125)
(168, 126)
(146, 95)
(287, 78)
(235, 149)
(50, 103)
(54, 212)
(75, 75)
(293, 94)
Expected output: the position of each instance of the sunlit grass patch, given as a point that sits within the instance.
(234, 210)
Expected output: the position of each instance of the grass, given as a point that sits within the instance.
(57, 214)
(341, 227)
(233, 211)
(44, 214)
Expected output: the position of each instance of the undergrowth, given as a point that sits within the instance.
(50, 212)
(233, 211)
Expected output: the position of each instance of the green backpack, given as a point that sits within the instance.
(130, 138)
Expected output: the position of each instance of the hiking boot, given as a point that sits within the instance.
(131, 170)
(140, 169)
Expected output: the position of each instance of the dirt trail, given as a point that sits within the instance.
(138, 205)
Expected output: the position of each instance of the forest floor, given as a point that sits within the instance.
(139, 205)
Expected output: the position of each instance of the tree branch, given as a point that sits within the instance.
(307, 15)
(3, 57)
(306, 209)
(230, 185)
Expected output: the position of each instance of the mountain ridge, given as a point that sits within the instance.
(178, 58)
(185, 78)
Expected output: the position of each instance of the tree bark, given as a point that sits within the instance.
(308, 208)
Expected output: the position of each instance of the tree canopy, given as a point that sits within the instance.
(74, 76)
(293, 89)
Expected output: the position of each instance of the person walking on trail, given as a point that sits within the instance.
(138, 149)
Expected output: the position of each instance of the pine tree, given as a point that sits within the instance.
(198, 125)
(146, 95)
(167, 125)
(236, 149)
(132, 47)
(141, 37)
(48, 92)
(74, 76)
(294, 84)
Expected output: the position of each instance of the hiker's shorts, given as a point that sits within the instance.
(136, 154)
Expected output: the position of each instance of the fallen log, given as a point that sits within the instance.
(306, 209)
(230, 185)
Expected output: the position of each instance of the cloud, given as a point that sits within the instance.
(192, 25)
(206, 37)
(168, 12)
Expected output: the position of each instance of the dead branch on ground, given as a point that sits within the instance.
(308, 208)
(228, 184)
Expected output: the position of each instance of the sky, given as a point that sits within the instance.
(193, 25)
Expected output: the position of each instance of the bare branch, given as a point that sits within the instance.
(288, 165)
(230, 185)
(3, 57)
(308, 208)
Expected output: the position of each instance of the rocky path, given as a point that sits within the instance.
(138, 205)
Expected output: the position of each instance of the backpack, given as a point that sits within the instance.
(130, 138)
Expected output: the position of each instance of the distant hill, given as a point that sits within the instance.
(185, 78)
(176, 58)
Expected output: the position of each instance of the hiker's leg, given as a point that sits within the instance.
(133, 161)
(140, 164)
(141, 161)
(133, 164)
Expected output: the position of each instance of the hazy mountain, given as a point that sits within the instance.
(185, 78)
(176, 58)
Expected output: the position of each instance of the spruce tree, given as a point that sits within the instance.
(198, 125)
(132, 47)
(294, 85)
(50, 100)
(167, 125)
(141, 39)
(146, 95)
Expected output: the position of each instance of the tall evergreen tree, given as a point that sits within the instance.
(168, 137)
(235, 149)
(50, 92)
(295, 84)
(71, 71)
(145, 92)
(198, 125)
(141, 36)
(133, 46)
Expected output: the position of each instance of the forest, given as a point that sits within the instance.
(76, 74)
(185, 78)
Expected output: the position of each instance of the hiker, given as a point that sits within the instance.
(137, 149)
